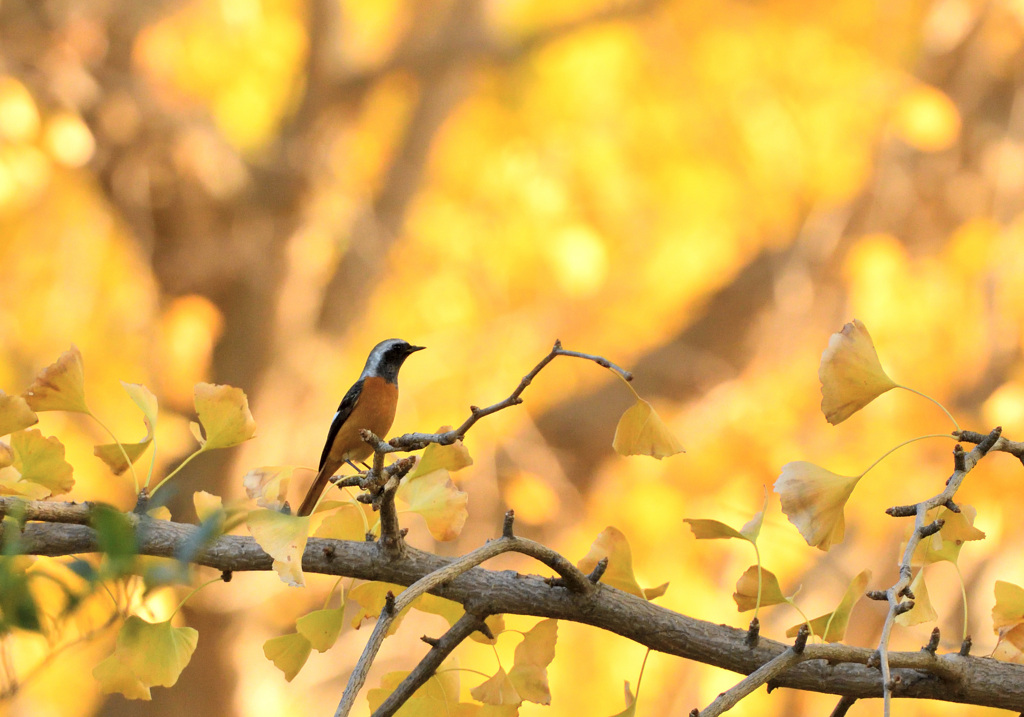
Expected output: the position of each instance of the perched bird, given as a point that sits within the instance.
(369, 404)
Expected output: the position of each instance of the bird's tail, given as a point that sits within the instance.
(323, 478)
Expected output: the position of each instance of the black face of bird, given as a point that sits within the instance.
(387, 357)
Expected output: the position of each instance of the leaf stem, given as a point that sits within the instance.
(757, 555)
(963, 596)
(180, 466)
(640, 677)
(895, 448)
(925, 395)
(124, 454)
(331, 592)
(193, 592)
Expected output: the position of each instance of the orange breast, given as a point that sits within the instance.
(374, 411)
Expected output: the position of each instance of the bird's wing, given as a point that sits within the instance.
(348, 403)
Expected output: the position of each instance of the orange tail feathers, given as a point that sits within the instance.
(320, 483)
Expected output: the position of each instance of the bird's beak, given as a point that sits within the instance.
(414, 349)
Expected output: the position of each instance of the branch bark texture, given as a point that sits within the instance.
(834, 669)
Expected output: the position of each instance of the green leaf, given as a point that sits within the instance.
(115, 676)
(115, 537)
(283, 537)
(156, 653)
(18, 608)
(288, 653)
(321, 627)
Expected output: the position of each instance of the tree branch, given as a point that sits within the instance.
(445, 574)
(439, 650)
(833, 669)
(416, 441)
(963, 463)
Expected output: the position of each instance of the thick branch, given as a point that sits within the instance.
(834, 669)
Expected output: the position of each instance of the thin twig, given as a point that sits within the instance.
(962, 465)
(416, 441)
(574, 578)
(843, 706)
(439, 650)
(761, 676)
(1014, 448)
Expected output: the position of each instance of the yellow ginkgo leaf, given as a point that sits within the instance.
(850, 373)
(60, 386)
(15, 414)
(923, 611)
(156, 653)
(207, 505)
(145, 400)
(945, 545)
(110, 453)
(41, 460)
(612, 544)
(529, 673)
(115, 676)
(346, 523)
(496, 690)
(453, 457)
(813, 499)
(831, 627)
(438, 696)
(1009, 608)
(283, 537)
(436, 497)
(161, 512)
(370, 598)
(224, 416)
(11, 484)
(321, 627)
(453, 611)
(630, 710)
(1008, 622)
(641, 432)
(268, 485)
(707, 529)
(746, 590)
(288, 653)
(6, 455)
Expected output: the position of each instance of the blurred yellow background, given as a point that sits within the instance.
(255, 192)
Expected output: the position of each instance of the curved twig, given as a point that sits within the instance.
(576, 579)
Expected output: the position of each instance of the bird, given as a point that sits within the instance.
(369, 404)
